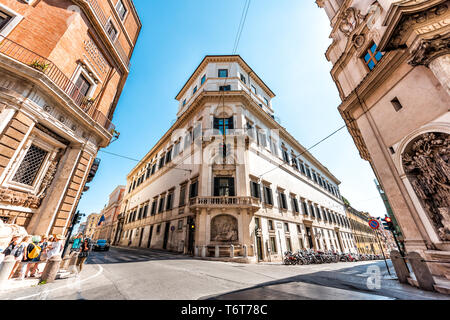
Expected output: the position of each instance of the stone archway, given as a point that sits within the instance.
(426, 164)
(224, 228)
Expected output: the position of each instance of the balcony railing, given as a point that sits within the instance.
(31, 59)
(104, 22)
(224, 201)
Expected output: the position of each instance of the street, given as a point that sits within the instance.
(132, 274)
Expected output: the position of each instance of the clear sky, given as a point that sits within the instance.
(283, 41)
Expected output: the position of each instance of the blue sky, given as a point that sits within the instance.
(283, 41)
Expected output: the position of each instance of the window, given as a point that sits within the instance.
(254, 89)
(302, 168)
(193, 189)
(82, 85)
(169, 202)
(169, 156)
(225, 88)
(243, 78)
(372, 56)
(145, 211)
(180, 224)
(300, 241)
(286, 227)
(283, 203)
(182, 195)
(266, 101)
(397, 105)
(111, 31)
(195, 90)
(255, 189)
(176, 149)
(250, 129)
(294, 204)
(184, 102)
(223, 124)
(121, 10)
(153, 212)
(308, 172)
(30, 166)
(315, 177)
(161, 205)
(223, 73)
(202, 81)
(262, 138)
(299, 229)
(187, 140)
(153, 168)
(305, 208)
(197, 132)
(311, 209)
(288, 244)
(285, 155)
(4, 19)
(294, 162)
(273, 244)
(319, 216)
(268, 199)
(270, 224)
(158, 228)
(161, 162)
(257, 224)
(224, 187)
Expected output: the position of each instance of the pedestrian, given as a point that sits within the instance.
(42, 258)
(84, 253)
(9, 248)
(19, 251)
(56, 246)
(77, 243)
(32, 252)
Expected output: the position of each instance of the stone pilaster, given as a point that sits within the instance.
(441, 69)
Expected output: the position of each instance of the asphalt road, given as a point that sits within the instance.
(130, 274)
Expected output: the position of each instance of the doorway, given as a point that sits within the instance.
(309, 236)
(166, 235)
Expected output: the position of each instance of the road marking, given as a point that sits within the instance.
(100, 271)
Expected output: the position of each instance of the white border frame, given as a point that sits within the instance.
(16, 18)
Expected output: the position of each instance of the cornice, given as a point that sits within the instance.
(222, 58)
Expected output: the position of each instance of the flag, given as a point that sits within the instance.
(101, 220)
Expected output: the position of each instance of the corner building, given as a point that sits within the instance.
(63, 65)
(391, 65)
(228, 173)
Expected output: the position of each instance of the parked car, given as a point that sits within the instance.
(101, 245)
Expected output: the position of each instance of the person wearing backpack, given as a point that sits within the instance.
(33, 255)
(42, 258)
(19, 251)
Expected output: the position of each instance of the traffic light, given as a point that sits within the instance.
(77, 217)
(388, 224)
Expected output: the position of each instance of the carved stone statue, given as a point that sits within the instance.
(426, 162)
(7, 231)
(224, 228)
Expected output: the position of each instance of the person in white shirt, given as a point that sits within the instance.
(56, 246)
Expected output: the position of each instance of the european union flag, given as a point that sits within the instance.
(101, 220)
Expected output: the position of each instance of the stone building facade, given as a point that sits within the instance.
(364, 237)
(63, 65)
(108, 229)
(391, 65)
(227, 173)
(91, 225)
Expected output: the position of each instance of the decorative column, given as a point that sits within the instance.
(441, 69)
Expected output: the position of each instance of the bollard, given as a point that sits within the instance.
(217, 252)
(231, 251)
(65, 262)
(73, 262)
(6, 268)
(421, 271)
(196, 251)
(399, 266)
(245, 253)
(51, 269)
(203, 251)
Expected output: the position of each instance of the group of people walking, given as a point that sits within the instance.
(31, 251)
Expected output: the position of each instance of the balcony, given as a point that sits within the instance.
(224, 202)
(104, 22)
(31, 59)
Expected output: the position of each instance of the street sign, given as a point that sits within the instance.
(374, 224)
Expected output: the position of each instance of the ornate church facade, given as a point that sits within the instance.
(227, 173)
(391, 65)
(63, 65)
